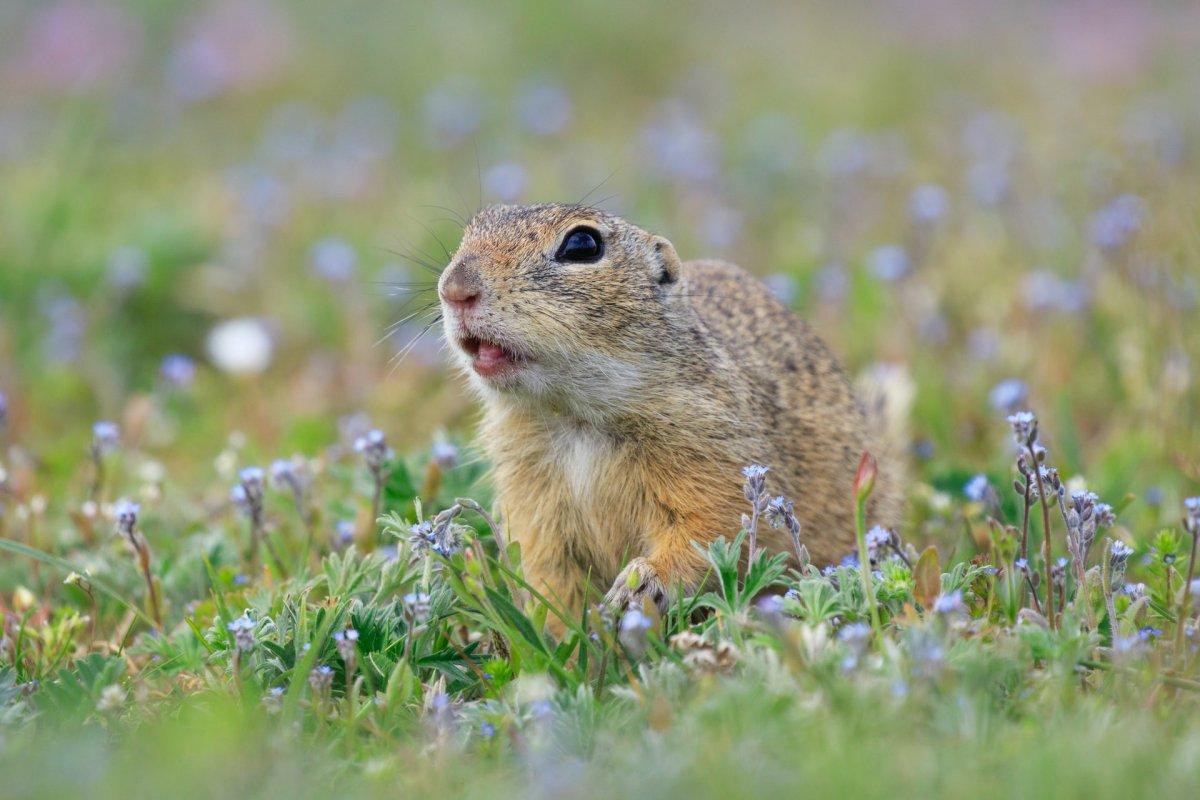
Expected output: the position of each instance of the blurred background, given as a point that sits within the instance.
(224, 218)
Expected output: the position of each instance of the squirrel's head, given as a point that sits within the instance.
(561, 303)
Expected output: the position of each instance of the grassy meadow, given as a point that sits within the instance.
(247, 544)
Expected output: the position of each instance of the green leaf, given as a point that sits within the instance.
(516, 619)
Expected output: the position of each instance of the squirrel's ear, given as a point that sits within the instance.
(666, 261)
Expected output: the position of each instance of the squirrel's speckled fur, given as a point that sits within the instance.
(644, 385)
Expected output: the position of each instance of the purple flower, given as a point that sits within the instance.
(321, 679)
(452, 112)
(928, 203)
(444, 454)
(373, 447)
(67, 322)
(1009, 395)
(126, 514)
(505, 181)
(247, 495)
(543, 107)
(127, 268)
(950, 604)
(677, 146)
(889, 263)
(1045, 291)
(771, 605)
(1024, 424)
(75, 45)
(106, 437)
(1114, 225)
(230, 46)
(1191, 509)
(832, 283)
(783, 287)
(417, 605)
(333, 259)
(878, 538)
(978, 488)
(1134, 591)
(242, 629)
(1119, 553)
(781, 513)
(632, 630)
(177, 370)
(854, 633)
(845, 153)
(755, 471)
(989, 182)
(347, 644)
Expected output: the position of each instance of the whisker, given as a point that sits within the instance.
(397, 359)
(430, 231)
(595, 188)
(456, 218)
(478, 174)
(395, 326)
(416, 261)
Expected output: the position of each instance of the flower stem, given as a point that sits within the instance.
(864, 561)
(1185, 601)
(1046, 555)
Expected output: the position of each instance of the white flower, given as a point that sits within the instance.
(112, 697)
(241, 346)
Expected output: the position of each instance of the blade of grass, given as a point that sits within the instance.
(67, 567)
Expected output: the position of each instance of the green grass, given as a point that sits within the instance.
(804, 134)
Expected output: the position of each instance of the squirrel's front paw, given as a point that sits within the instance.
(637, 581)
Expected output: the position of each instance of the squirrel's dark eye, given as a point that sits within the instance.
(582, 246)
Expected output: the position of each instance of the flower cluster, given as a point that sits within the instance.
(1118, 557)
(321, 679)
(417, 606)
(242, 629)
(346, 643)
(372, 446)
(106, 437)
(1084, 516)
(441, 535)
(248, 495)
(781, 513)
(1191, 516)
(755, 491)
(293, 475)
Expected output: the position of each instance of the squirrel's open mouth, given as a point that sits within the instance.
(489, 359)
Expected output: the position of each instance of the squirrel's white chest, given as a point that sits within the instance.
(583, 458)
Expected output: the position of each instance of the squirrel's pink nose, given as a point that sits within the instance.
(461, 286)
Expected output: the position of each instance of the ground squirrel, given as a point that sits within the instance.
(623, 392)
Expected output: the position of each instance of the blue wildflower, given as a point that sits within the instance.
(333, 259)
(928, 203)
(889, 263)
(1009, 395)
(177, 370)
(978, 489)
(106, 437)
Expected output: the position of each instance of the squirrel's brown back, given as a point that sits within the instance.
(798, 403)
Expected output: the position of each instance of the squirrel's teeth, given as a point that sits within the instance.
(492, 359)
(491, 352)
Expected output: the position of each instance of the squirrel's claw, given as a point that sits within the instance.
(639, 580)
